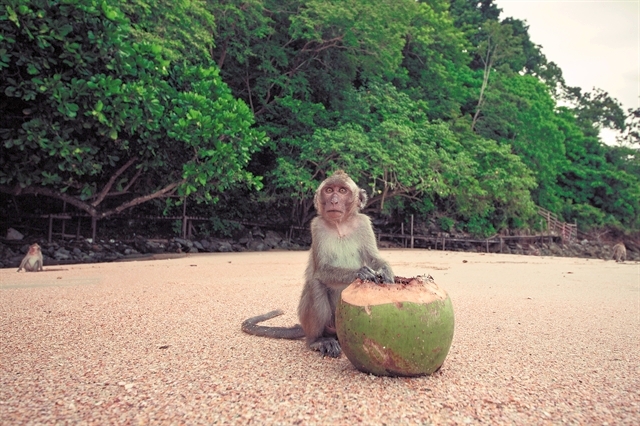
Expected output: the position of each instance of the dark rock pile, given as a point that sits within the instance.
(82, 250)
(583, 249)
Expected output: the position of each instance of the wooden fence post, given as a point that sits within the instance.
(412, 231)
(94, 225)
(64, 221)
(184, 217)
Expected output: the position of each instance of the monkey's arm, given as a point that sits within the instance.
(335, 277)
(24, 261)
(377, 265)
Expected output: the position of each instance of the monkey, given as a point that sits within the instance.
(343, 248)
(619, 253)
(32, 262)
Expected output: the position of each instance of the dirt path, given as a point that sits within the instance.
(538, 340)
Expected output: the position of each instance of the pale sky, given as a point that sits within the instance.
(596, 43)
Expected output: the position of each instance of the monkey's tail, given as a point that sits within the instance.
(250, 326)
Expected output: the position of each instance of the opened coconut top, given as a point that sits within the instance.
(416, 290)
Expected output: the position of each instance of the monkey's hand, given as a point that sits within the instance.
(367, 274)
(386, 276)
(380, 276)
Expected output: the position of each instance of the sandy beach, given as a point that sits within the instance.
(538, 340)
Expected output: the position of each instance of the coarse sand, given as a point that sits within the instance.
(538, 340)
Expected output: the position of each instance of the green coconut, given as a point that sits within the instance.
(401, 329)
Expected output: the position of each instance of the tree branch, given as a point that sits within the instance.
(102, 194)
(89, 208)
(41, 190)
(164, 192)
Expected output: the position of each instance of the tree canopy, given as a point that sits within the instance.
(440, 108)
(104, 121)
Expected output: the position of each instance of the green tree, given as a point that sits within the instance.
(387, 143)
(435, 62)
(519, 111)
(184, 28)
(283, 53)
(601, 184)
(498, 46)
(104, 122)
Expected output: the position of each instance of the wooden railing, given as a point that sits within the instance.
(567, 231)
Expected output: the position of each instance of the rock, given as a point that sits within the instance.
(272, 239)
(155, 247)
(14, 235)
(284, 244)
(62, 254)
(555, 249)
(184, 243)
(140, 244)
(225, 247)
(256, 245)
(242, 236)
(257, 232)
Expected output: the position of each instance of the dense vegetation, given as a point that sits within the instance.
(439, 108)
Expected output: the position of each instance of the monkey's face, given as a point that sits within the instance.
(34, 248)
(336, 200)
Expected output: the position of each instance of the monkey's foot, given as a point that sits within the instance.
(327, 346)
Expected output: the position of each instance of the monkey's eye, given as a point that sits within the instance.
(343, 190)
(328, 190)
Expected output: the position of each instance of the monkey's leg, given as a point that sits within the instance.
(316, 315)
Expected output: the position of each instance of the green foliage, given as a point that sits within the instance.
(446, 223)
(435, 64)
(520, 111)
(601, 184)
(386, 142)
(91, 113)
(221, 227)
(437, 108)
(183, 28)
(312, 51)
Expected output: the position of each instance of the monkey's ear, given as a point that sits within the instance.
(362, 199)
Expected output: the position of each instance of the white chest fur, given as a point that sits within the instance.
(341, 251)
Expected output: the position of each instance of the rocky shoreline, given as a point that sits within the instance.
(70, 251)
